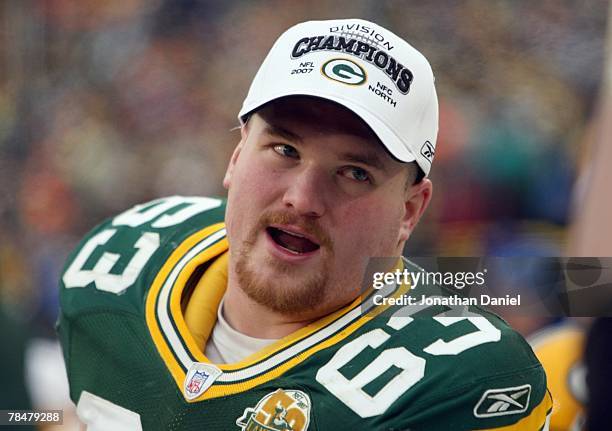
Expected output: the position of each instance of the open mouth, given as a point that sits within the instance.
(292, 241)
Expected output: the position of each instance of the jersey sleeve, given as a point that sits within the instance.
(497, 403)
(477, 383)
(435, 372)
(106, 279)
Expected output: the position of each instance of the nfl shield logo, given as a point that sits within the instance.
(194, 385)
(199, 378)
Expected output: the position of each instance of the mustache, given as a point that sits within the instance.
(307, 225)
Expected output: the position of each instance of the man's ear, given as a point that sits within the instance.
(416, 200)
(227, 179)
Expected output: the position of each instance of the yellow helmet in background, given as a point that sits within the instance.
(560, 350)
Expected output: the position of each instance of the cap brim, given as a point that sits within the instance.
(388, 137)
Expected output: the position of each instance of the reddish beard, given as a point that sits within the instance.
(290, 292)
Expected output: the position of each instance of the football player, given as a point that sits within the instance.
(194, 313)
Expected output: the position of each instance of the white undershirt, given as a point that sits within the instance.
(227, 346)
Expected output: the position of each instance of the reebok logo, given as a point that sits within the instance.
(428, 151)
(500, 402)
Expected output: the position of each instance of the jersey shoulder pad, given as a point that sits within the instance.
(115, 263)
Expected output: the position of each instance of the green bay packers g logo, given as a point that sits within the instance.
(344, 70)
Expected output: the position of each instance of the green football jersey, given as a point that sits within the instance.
(134, 365)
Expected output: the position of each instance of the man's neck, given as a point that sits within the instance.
(255, 320)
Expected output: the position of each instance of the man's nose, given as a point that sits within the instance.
(307, 192)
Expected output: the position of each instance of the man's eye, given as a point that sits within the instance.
(356, 174)
(286, 151)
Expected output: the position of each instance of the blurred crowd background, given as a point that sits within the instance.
(108, 103)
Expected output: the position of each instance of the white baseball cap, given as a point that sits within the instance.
(364, 67)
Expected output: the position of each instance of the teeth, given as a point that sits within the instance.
(293, 233)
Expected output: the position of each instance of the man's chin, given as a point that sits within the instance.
(285, 286)
(288, 291)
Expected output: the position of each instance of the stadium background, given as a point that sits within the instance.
(104, 104)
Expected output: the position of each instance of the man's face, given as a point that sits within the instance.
(311, 197)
